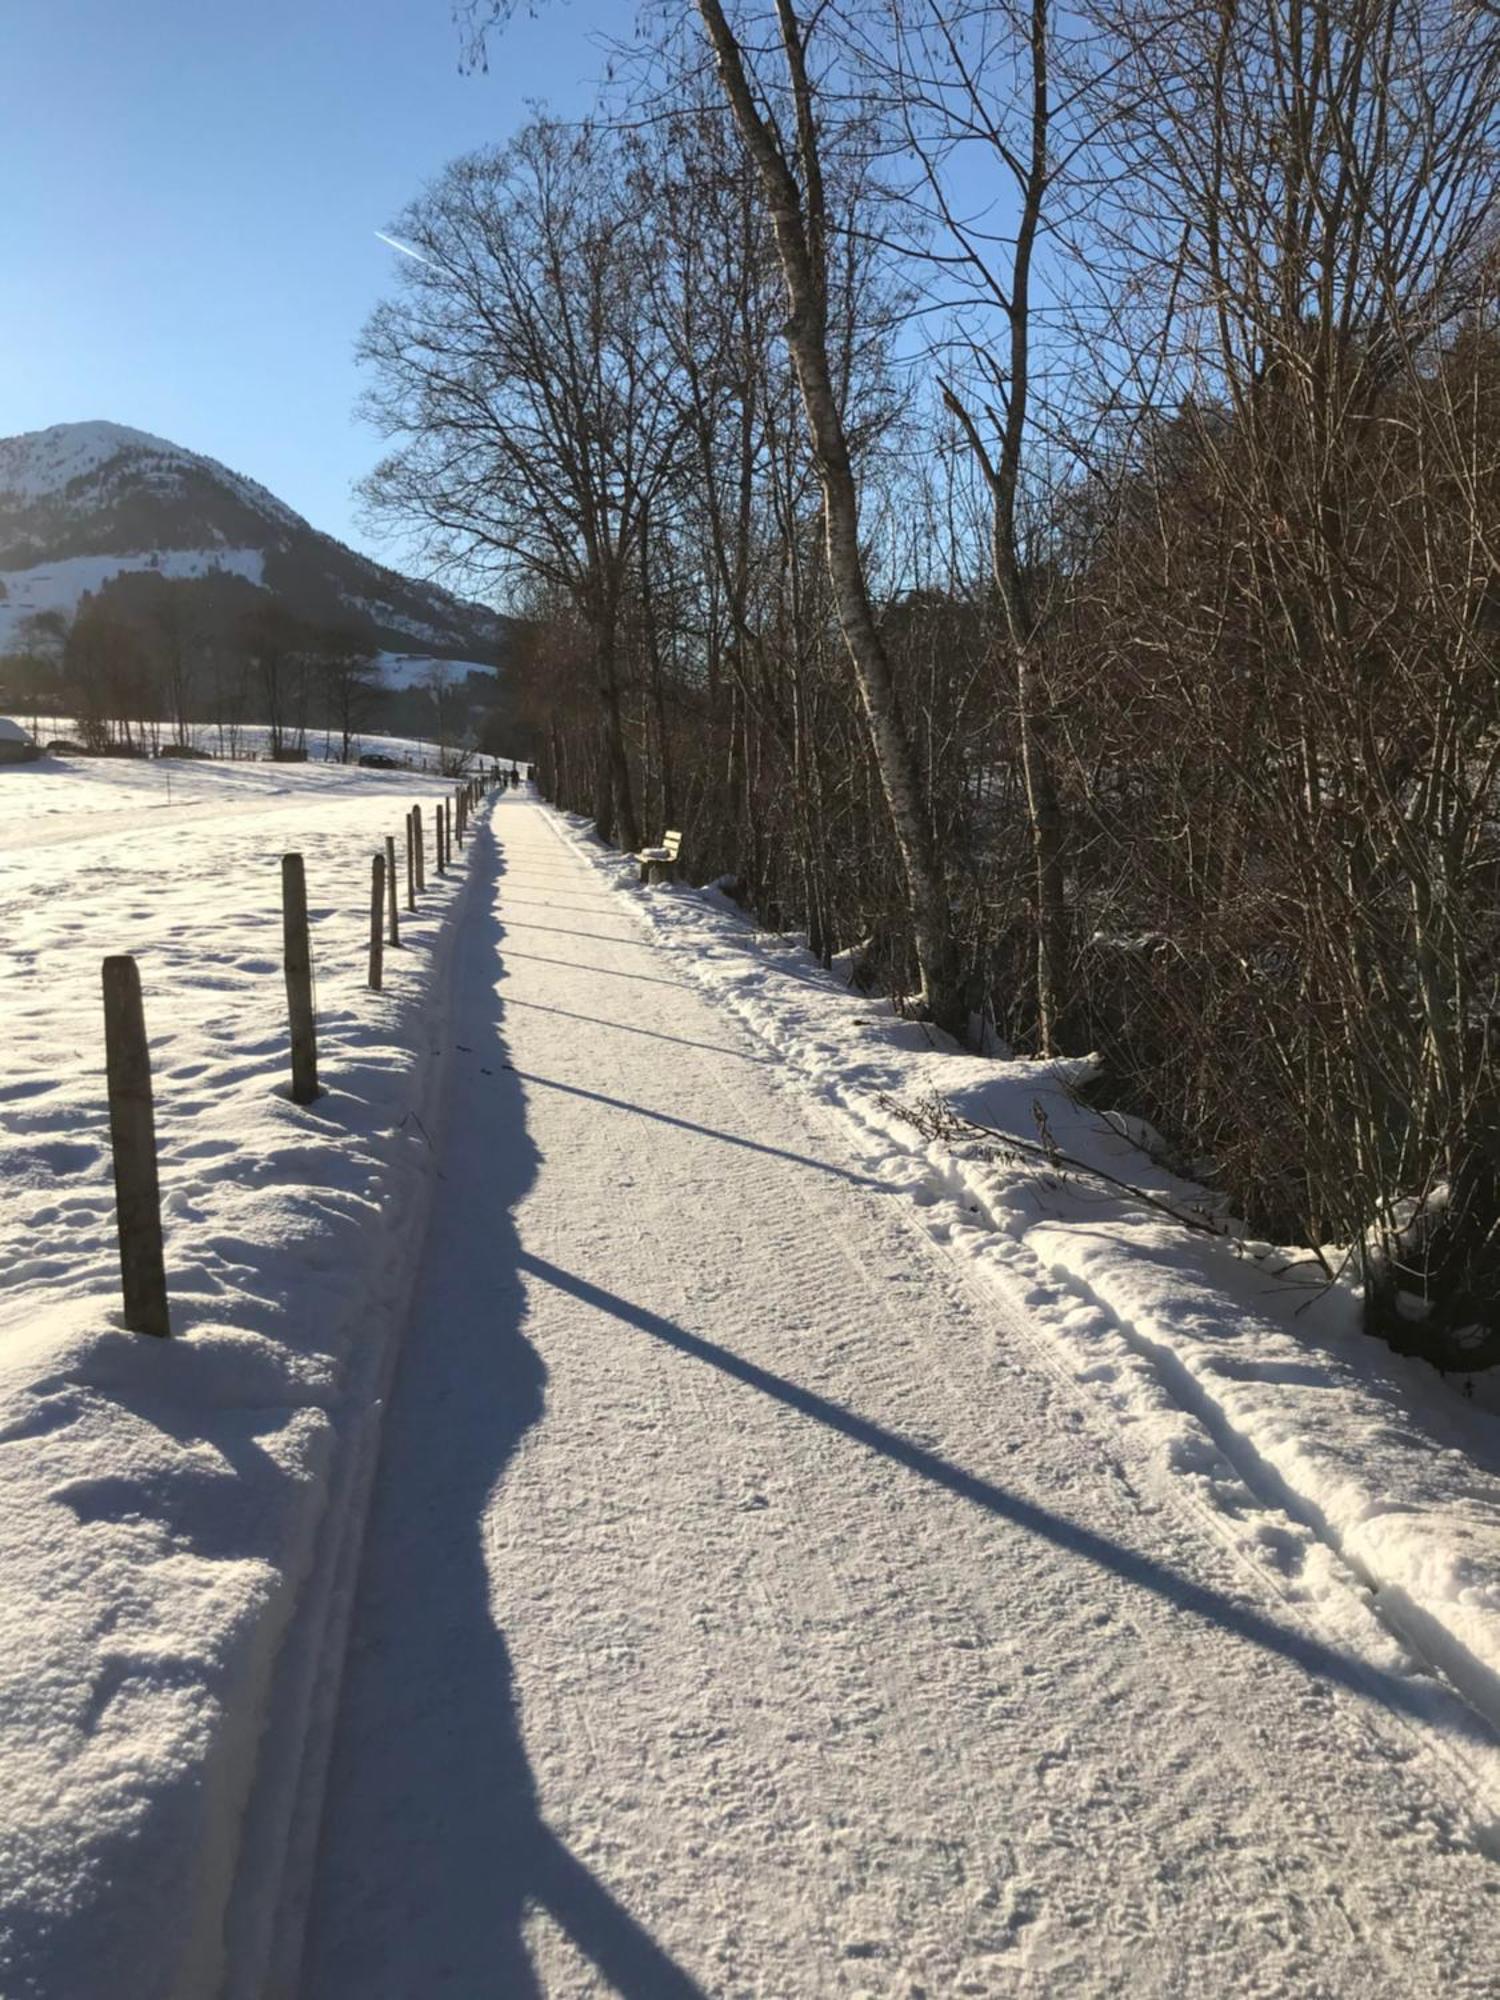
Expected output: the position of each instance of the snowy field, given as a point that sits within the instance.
(162, 1503)
(250, 743)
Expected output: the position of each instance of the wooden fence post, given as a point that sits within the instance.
(393, 922)
(297, 964)
(132, 1132)
(416, 841)
(437, 831)
(411, 870)
(377, 911)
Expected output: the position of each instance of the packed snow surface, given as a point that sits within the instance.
(757, 1599)
(1314, 1448)
(800, 1558)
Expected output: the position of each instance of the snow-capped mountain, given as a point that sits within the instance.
(82, 503)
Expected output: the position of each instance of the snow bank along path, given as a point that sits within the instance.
(1348, 1476)
(749, 1605)
(164, 1506)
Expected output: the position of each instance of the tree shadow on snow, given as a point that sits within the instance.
(1312, 1655)
(433, 1847)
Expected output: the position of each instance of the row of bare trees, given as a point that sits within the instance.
(1019, 486)
(149, 663)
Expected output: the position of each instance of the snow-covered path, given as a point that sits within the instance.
(746, 1610)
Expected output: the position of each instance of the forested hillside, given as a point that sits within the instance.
(149, 593)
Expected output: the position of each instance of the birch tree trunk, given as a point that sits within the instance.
(799, 222)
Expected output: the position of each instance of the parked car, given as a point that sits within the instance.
(376, 760)
(17, 745)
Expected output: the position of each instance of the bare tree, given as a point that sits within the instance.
(972, 90)
(520, 375)
(277, 646)
(793, 188)
(343, 661)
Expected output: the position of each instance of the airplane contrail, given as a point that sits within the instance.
(406, 250)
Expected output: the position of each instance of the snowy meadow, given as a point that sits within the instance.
(164, 1500)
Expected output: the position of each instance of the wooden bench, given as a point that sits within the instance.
(659, 864)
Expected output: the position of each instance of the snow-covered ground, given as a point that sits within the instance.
(752, 1605)
(803, 1558)
(164, 1505)
(1349, 1476)
(49, 797)
(60, 796)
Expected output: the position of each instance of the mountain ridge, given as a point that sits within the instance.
(83, 502)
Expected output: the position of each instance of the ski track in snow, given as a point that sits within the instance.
(748, 1607)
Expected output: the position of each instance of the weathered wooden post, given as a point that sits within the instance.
(132, 1133)
(393, 922)
(297, 964)
(411, 866)
(437, 828)
(377, 905)
(457, 810)
(416, 841)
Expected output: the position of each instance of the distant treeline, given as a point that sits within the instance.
(182, 660)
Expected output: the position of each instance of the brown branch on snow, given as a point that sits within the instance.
(934, 1117)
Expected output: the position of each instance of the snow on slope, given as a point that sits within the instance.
(60, 586)
(42, 465)
(1258, 1394)
(409, 670)
(102, 489)
(162, 1504)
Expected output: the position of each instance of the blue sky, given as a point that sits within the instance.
(192, 191)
